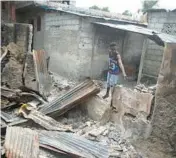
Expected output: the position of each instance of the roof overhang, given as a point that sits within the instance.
(157, 37)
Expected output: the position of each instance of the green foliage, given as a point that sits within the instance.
(106, 9)
(127, 12)
(148, 4)
(95, 7)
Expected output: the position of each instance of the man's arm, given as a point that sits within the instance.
(121, 65)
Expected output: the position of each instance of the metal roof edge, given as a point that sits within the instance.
(68, 9)
(160, 10)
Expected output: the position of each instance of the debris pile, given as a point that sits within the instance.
(142, 88)
(12, 66)
(70, 119)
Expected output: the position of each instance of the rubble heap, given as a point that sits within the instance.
(95, 128)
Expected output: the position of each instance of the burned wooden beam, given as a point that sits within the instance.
(71, 144)
(73, 97)
(15, 94)
(41, 69)
(21, 142)
(43, 120)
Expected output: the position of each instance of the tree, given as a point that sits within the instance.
(127, 12)
(106, 9)
(95, 7)
(148, 4)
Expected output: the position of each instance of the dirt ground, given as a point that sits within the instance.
(153, 148)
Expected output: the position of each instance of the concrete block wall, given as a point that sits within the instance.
(38, 36)
(61, 41)
(85, 49)
(21, 32)
(18, 33)
(154, 54)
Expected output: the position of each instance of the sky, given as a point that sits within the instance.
(120, 6)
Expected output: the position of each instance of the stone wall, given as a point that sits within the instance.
(162, 22)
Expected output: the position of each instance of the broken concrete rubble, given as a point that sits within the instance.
(13, 68)
(97, 109)
(128, 101)
(84, 94)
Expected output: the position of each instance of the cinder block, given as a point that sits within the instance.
(85, 34)
(85, 46)
(86, 40)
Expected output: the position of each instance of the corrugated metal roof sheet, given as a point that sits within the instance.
(21, 142)
(152, 34)
(9, 117)
(67, 101)
(132, 28)
(72, 144)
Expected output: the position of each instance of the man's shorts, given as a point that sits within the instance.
(112, 80)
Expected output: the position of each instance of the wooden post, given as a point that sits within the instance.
(145, 44)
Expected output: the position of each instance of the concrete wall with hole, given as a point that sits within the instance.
(163, 22)
(103, 37)
(132, 50)
(21, 34)
(38, 34)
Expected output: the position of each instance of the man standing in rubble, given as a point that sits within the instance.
(115, 64)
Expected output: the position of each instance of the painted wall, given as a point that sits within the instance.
(162, 22)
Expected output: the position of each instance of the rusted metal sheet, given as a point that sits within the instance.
(152, 34)
(21, 143)
(73, 97)
(71, 144)
(43, 120)
(42, 75)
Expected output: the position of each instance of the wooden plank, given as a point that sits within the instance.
(145, 43)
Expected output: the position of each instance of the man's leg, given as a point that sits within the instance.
(108, 86)
(107, 93)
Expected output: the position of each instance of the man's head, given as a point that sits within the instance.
(113, 47)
